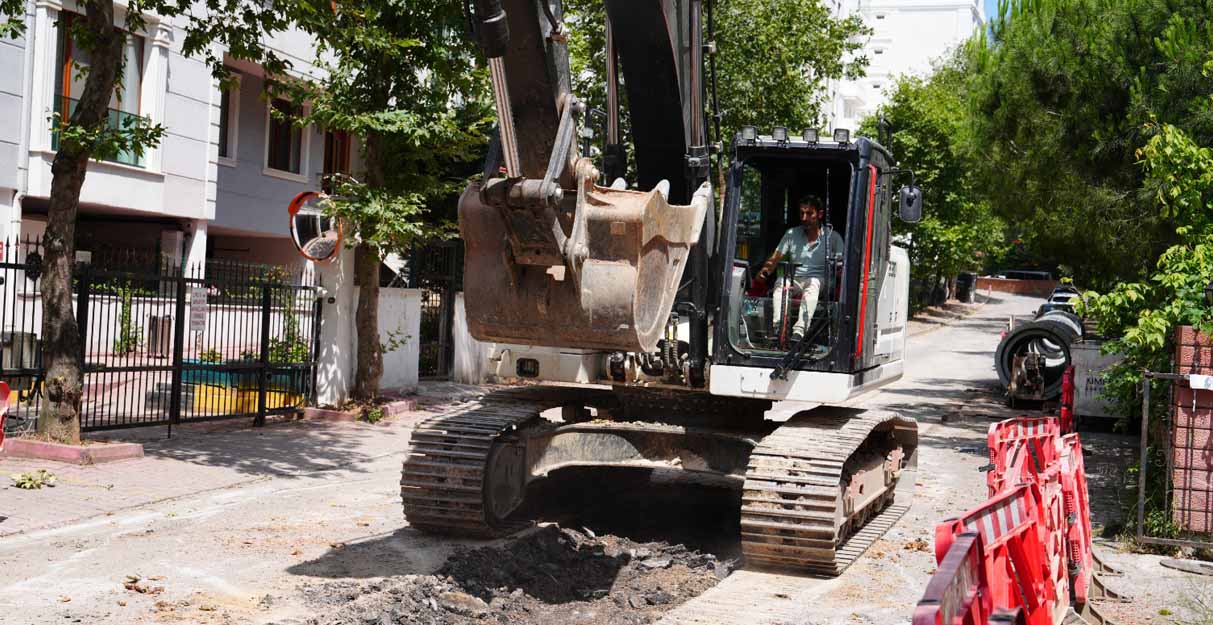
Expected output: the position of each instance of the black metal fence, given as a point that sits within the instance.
(162, 345)
(437, 271)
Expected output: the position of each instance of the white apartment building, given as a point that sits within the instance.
(908, 35)
(218, 184)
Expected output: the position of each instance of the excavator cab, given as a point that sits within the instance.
(857, 321)
(765, 316)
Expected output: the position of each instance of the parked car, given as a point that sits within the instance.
(1023, 274)
(1059, 300)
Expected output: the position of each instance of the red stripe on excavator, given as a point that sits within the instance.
(867, 260)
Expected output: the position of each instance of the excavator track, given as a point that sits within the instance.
(794, 488)
(443, 486)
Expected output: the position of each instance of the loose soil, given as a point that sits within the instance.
(550, 576)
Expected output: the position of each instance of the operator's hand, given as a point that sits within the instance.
(758, 286)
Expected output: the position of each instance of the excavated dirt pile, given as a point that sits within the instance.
(552, 576)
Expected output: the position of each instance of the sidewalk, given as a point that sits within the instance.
(935, 317)
(203, 458)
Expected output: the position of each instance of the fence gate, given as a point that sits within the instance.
(163, 346)
(437, 271)
(1175, 471)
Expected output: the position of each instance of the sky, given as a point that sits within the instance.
(991, 7)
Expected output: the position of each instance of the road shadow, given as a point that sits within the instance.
(278, 450)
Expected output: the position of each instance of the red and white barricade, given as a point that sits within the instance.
(1021, 556)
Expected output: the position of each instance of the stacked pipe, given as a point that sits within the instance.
(1049, 336)
(1023, 557)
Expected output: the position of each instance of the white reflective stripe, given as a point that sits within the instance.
(987, 529)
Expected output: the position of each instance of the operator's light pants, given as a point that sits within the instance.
(808, 290)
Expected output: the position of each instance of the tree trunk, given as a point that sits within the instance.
(369, 368)
(61, 350)
(366, 320)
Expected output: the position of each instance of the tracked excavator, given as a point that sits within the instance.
(617, 293)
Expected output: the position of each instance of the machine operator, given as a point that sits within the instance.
(805, 247)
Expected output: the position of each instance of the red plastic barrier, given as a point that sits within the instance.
(1066, 412)
(1081, 555)
(1006, 440)
(1033, 536)
(1019, 568)
(956, 594)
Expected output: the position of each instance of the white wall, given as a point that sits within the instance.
(399, 313)
(250, 197)
(400, 323)
(471, 356)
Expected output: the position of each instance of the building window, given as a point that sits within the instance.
(336, 156)
(878, 51)
(880, 16)
(71, 69)
(229, 114)
(285, 139)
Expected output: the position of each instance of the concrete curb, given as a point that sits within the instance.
(71, 454)
(390, 409)
(935, 326)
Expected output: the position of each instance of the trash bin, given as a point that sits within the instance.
(160, 336)
(965, 291)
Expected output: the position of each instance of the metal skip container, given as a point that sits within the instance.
(1089, 368)
(623, 264)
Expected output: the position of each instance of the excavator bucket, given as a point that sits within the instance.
(616, 288)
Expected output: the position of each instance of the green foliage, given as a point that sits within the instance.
(775, 58)
(1062, 95)
(133, 134)
(291, 349)
(927, 118)
(12, 19)
(211, 356)
(372, 414)
(389, 220)
(33, 480)
(402, 77)
(396, 339)
(1142, 316)
(130, 336)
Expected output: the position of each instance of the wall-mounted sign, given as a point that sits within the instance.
(316, 235)
(199, 309)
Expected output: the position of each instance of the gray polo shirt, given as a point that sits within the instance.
(809, 256)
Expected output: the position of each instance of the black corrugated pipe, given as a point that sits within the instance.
(1049, 336)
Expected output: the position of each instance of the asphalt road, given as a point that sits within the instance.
(310, 506)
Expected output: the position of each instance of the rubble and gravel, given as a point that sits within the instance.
(550, 576)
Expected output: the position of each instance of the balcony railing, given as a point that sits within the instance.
(117, 120)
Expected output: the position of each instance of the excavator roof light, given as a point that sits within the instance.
(749, 133)
(809, 135)
(842, 135)
(780, 134)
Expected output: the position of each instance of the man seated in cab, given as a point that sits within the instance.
(805, 247)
